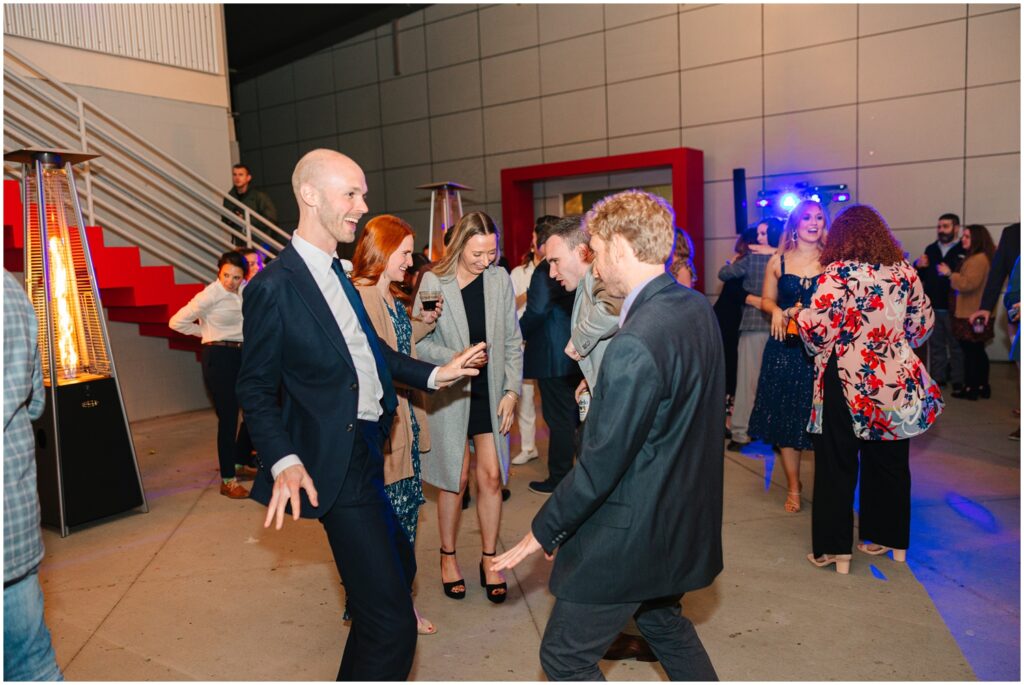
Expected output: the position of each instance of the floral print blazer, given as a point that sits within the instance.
(871, 316)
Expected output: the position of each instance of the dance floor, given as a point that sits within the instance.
(197, 590)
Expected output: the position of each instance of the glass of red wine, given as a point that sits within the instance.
(429, 299)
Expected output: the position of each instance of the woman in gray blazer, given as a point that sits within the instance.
(479, 306)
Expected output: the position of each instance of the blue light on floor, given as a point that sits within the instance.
(973, 512)
(877, 573)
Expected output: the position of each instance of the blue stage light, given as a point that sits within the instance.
(762, 203)
(841, 197)
(789, 201)
(816, 197)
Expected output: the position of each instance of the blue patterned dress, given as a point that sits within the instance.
(785, 387)
(406, 495)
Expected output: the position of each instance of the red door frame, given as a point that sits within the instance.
(687, 167)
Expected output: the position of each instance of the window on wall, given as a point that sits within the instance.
(580, 203)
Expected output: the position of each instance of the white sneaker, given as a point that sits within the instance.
(525, 457)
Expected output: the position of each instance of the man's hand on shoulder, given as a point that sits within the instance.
(286, 489)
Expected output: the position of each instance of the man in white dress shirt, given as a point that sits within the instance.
(308, 339)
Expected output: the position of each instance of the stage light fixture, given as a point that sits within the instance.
(781, 201)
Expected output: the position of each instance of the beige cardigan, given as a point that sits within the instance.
(398, 448)
(969, 283)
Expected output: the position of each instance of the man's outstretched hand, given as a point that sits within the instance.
(286, 489)
(461, 365)
(525, 548)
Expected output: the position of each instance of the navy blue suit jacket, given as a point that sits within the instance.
(546, 325)
(295, 351)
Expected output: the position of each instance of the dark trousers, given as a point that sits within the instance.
(884, 480)
(220, 372)
(377, 566)
(558, 406)
(943, 352)
(578, 635)
(975, 364)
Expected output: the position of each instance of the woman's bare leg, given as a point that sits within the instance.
(488, 502)
(791, 465)
(449, 510)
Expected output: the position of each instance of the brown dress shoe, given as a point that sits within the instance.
(630, 647)
(234, 490)
(246, 472)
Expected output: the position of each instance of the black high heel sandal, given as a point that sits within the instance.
(496, 592)
(449, 588)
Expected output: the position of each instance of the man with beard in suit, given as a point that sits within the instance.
(638, 521)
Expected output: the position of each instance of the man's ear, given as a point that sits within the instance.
(309, 195)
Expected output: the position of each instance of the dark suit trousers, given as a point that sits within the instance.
(558, 406)
(578, 635)
(884, 475)
(377, 566)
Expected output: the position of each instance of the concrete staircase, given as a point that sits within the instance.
(131, 292)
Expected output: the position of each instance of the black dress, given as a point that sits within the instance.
(785, 387)
(476, 316)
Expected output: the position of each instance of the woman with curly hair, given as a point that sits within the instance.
(783, 399)
(681, 267)
(871, 392)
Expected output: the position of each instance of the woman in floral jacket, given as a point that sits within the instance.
(871, 392)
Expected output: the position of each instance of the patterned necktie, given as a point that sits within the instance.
(390, 400)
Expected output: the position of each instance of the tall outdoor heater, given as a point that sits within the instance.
(445, 212)
(86, 460)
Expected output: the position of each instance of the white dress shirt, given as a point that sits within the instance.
(219, 313)
(370, 389)
(521, 276)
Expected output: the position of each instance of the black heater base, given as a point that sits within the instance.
(86, 460)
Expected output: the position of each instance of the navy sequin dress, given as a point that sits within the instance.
(406, 495)
(786, 385)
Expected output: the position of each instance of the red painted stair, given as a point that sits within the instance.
(131, 293)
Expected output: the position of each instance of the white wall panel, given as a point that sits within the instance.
(186, 36)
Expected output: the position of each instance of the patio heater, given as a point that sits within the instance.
(445, 212)
(84, 452)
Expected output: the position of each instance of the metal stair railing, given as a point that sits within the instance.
(159, 204)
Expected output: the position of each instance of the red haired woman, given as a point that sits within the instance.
(871, 392)
(382, 257)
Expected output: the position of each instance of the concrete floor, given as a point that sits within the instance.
(197, 590)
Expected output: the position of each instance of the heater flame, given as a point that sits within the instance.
(62, 296)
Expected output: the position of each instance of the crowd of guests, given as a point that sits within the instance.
(537, 346)
(774, 276)
(819, 325)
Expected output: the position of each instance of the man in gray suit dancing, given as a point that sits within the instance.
(638, 521)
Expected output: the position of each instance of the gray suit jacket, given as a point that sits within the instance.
(640, 515)
(595, 319)
(448, 408)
